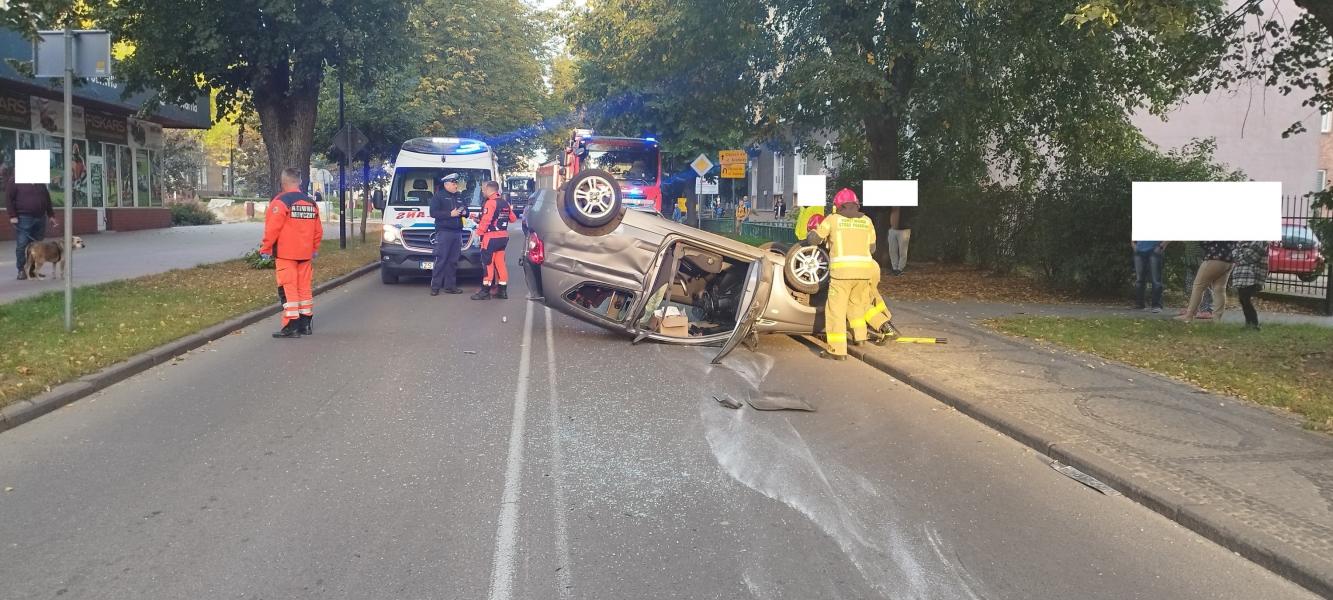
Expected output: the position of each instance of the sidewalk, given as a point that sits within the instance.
(974, 311)
(113, 256)
(1248, 478)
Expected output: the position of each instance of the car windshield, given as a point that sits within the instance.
(520, 184)
(415, 186)
(1297, 235)
(627, 163)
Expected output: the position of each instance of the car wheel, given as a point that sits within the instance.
(806, 268)
(1311, 276)
(592, 199)
(778, 247)
(386, 277)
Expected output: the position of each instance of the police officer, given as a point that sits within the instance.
(493, 229)
(850, 236)
(446, 207)
(292, 233)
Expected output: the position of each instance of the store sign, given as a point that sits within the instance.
(15, 111)
(106, 127)
(48, 117)
(145, 134)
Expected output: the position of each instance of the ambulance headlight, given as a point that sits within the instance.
(392, 235)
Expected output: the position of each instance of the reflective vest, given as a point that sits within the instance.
(849, 241)
(496, 215)
(292, 229)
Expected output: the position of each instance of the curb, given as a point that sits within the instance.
(23, 411)
(1207, 521)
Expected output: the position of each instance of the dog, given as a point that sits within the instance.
(49, 251)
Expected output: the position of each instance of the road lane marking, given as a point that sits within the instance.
(563, 577)
(506, 532)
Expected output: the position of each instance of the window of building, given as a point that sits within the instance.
(779, 178)
(203, 177)
(226, 179)
(1326, 123)
(1320, 180)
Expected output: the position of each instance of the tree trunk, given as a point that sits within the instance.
(884, 127)
(287, 111)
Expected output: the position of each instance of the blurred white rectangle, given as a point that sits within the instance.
(1189, 211)
(32, 166)
(811, 190)
(889, 192)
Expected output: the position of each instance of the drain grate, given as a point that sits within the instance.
(1083, 478)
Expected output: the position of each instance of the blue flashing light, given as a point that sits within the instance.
(651, 139)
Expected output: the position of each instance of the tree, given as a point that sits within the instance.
(685, 71)
(960, 93)
(182, 157)
(1266, 46)
(269, 55)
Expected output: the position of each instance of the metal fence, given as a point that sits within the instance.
(1296, 265)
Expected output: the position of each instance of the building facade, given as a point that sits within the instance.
(115, 156)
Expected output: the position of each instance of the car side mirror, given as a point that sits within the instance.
(377, 199)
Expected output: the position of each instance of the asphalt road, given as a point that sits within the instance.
(383, 459)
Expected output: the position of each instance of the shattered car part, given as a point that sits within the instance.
(778, 401)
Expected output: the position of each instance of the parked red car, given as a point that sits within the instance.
(1299, 253)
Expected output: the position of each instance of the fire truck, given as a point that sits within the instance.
(635, 164)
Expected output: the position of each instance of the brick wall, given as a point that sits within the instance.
(134, 219)
(85, 223)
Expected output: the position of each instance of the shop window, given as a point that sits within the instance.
(8, 144)
(126, 176)
(78, 173)
(155, 178)
(142, 190)
(112, 176)
(607, 303)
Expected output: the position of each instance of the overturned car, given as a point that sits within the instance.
(656, 279)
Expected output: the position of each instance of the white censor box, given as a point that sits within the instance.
(32, 166)
(811, 190)
(889, 192)
(1187, 211)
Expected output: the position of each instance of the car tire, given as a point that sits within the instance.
(1311, 276)
(806, 268)
(777, 247)
(386, 277)
(592, 199)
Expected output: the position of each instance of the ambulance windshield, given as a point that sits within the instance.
(414, 186)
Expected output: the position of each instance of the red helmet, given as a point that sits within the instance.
(844, 196)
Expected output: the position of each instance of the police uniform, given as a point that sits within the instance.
(448, 237)
(496, 215)
(850, 236)
(292, 234)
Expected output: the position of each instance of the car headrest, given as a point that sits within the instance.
(419, 184)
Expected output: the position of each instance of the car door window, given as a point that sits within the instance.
(608, 303)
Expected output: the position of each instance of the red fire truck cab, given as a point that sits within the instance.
(636, 163)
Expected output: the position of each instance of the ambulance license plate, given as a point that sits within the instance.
(1297, 256)
(427, 266)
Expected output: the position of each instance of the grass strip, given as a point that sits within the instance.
(1287, 366)
(117, 320)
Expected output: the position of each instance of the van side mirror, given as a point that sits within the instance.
(377, 199)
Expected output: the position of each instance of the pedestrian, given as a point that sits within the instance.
(1193, 257)
(1217, 263)
(682, 209)
(900, 237)
(496, 215)
(30, 211)
(850, 236)
(1148, 268)
(292, 234)
(1248, 277)
(777, 207)
(446, 207)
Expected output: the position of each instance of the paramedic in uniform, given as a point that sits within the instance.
(446, 207)
(850, 237)
(292, 233)
(493, 230)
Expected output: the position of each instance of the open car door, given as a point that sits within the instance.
(754, 300)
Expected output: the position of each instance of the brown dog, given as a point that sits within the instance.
(49, 251)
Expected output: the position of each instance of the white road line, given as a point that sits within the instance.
(563, 577)
(506, 532)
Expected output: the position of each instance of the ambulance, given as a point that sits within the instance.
(407, 244)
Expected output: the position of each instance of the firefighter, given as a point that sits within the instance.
(292, 233)
(493, 230)
(446, 207)
(850, 237)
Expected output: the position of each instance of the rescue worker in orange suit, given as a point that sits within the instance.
(292, 233)
(850, 237)
(493, 230)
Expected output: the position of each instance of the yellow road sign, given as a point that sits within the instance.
(733, 171)
(731, 157)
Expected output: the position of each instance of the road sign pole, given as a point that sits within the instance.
(342, 164)
(68, 254)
